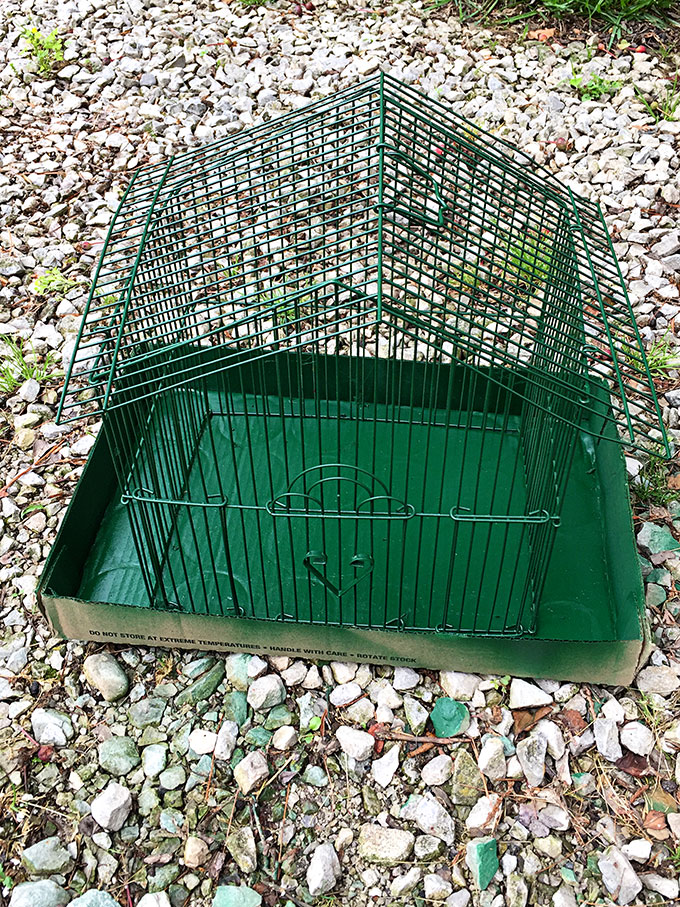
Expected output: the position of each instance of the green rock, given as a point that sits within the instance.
(654, 595)
(180, 739)
(278, 717)
(467, 785)
(236, 896)
(481, 856)
(568, 875)
(656, 539)
(660, 576)
(163, 877)
(258, 737)
(118, 755)
(370, 800)
(237, 671)
(148, 799)
(178, 895)
(146, 712)
(449, 717)
(95, 898)
(315, 775)
(172, 820)
(47, 857)
(198, 666)
(203, 687)
(236, 707)
(173, 777)
(39, 894)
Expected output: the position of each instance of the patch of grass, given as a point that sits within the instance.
(675, 858)
(650, 487)
(46, 50)
(594, 87)
(53, 283)
(15, 368)
(529, 258)
(667, 105)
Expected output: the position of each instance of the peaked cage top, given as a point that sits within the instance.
(376, 206)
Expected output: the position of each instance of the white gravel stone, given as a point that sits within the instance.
(103, 672)
(112, 806)
(554, 737)
(491, 759)
(459, 686)
(355, 743)
(284, 737)
(251, 771)
(639, 849)
(607, 738)
(344, 694)
(384, 769)
(430, 817)
(618, 875)
(51, 727)
(484, 815)
(436, 888)
(324, 870)
(405, 679)
(343, 671)
(531, 755)
(667, 888)
(384, 846)
(525, 695)
(226, 741)
(202, 742)
(406, 883)
(637, 737)
(196, 852)
(266, 692)
(437, 771)
(658, 679)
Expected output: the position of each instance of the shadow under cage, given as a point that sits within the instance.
(344, 364)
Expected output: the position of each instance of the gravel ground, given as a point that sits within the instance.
(157, 777)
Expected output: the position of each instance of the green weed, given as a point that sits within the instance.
(15, 368)
(666, 106)
(675, 858)
(651, 484)
(53, 283)
(5, 880)
(314, 725)
(46, 50)
(529, 258)
(595, 87)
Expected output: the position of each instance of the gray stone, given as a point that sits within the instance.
(196, 852)
(516, 891)
(29, 391)
(416, 714)
(384, 846)
(667, 888)
(147, 712)
(531, 754)
(51, 727)
(47, 857)
(103, 672)
(315, 775)
(564, 897)
(251, 771)
(323, 872)
(241, 845)
(430, 817)
(44, 893)
(657, 679)
(118, 755)
(112, 806)
(467, 783)
(669, 245)
(355, 743)
(427, 848)
(266, 692)
(619, 876)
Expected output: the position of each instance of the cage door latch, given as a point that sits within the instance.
(316, 561)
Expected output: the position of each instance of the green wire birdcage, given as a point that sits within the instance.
(344, 362)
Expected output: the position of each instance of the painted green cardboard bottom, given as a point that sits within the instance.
(590, 619)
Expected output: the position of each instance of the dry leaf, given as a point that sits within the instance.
(674, 482)
(634, 765)
(655, 825)
(158, 859)
(573, 720)
(525, 719)
(541, 34)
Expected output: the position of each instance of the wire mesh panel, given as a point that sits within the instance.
(344, 362)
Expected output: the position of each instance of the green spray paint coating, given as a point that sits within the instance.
(449, 717)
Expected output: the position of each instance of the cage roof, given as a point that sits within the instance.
(377, 204)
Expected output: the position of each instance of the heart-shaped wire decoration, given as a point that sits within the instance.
(315, 561)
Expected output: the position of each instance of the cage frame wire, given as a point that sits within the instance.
(422, 181)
